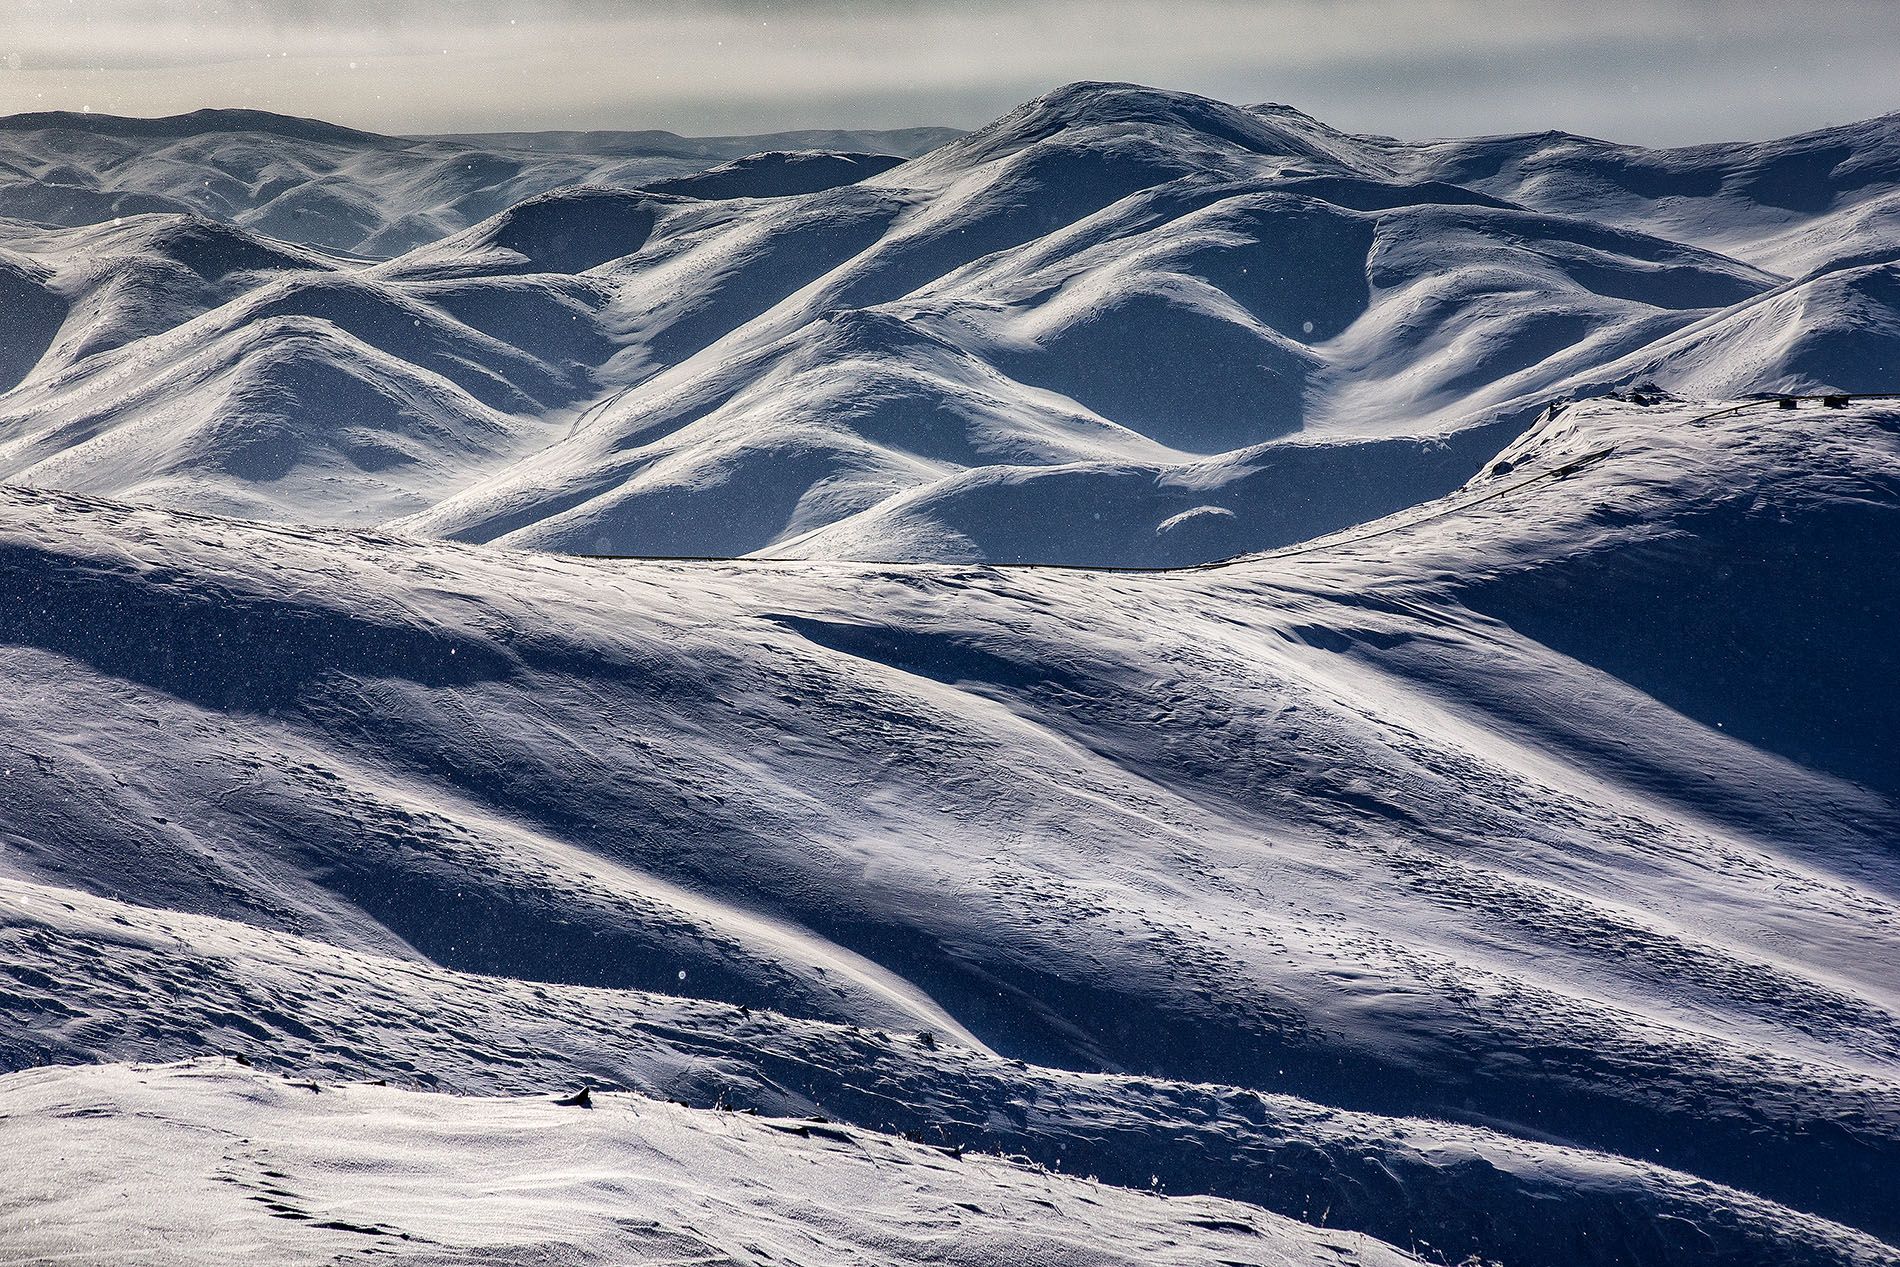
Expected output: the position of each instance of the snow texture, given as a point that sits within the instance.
(237, 1167)
(1118, 326)
(332, 187)
(1329, 825)
(1490, 858)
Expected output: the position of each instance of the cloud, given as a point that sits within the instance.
(1682, 70)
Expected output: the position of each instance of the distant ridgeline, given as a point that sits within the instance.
(320, 185)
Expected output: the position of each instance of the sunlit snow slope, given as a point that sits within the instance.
(234, 1167)
(1117, 326)
(1514, 877)
(1492, 859)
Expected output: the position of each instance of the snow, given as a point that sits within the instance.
(325, 186)
(778, 174)
(1110, 296)
(210, 1163)
(1776, 204)
(1488, 854)
(312, 1012)
(1325, 824)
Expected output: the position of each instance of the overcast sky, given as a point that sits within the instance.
(1665, 71)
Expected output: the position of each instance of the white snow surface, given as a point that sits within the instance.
(210, 1163)
(1120, 326)
(337, 188)
(1383, 888)
(1487, 857)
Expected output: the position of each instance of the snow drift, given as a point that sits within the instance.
(1334, 826)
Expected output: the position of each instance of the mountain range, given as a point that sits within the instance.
(359, 194)
(1243, 693)
(1117, 326)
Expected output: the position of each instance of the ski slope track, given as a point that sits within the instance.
(1222, 692)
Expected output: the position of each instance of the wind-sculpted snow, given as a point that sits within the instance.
(252, 1164)
(1361, 825)
(1759, 201)
(30, 315)
(1149, 304)
(104, 287)
(1838, 332)
(1431, 1186)
(1492, 860)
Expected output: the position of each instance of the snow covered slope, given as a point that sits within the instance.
(321, 185)
(1143, 302)
(1491, 861)
(1268, 874)
(180, 983)
(1118, 326)
(1799, 206)
(235, 1167)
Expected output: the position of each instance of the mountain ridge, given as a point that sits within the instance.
(1112, 287)
(1230, 690)
(192, 123)
(321, 185)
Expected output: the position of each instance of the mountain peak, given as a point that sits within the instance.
(1092, 106)
(1102, 102)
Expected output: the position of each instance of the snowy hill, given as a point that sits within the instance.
(389, 1173)
(1797, 205)
(1488, 857)
(1430, 877)
(320, 185)
(1117, 326)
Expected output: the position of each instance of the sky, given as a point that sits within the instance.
(1656, 72)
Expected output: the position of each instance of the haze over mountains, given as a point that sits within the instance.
(1492, 860)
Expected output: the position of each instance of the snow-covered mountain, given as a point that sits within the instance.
(320, 185)
(1513, 877)
(1117, 326)
(1490, 860)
